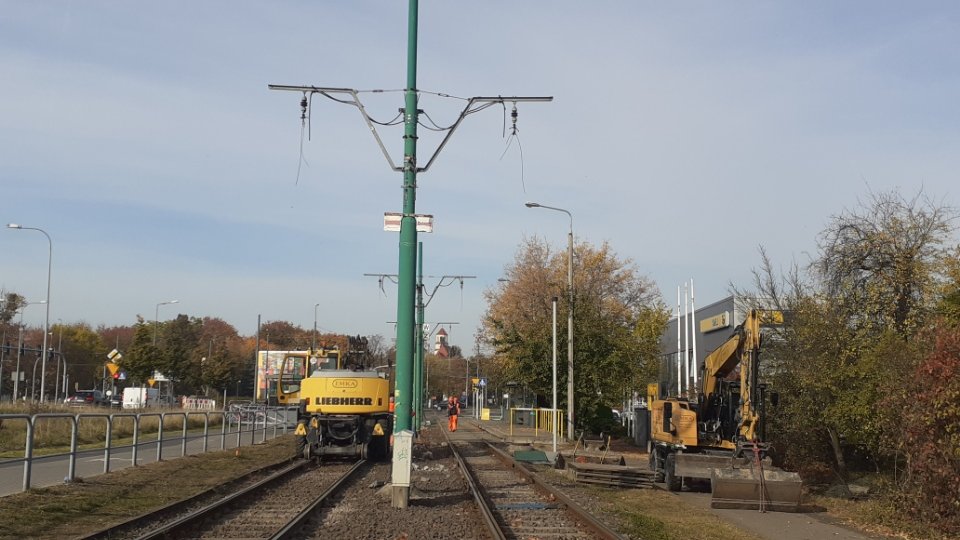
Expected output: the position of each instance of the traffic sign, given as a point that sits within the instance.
(113, 368)
(483, 382)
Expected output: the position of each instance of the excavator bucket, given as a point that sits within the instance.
(756, 489)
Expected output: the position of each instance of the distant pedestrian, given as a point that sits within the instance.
(453, 410)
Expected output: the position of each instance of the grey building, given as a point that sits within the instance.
(708, 328)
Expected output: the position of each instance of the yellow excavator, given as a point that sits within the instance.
(719, 434)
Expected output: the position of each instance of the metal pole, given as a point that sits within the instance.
(406, 281)
(418, 353)
(693, 311)
(46, 320)
(686, 341)
(679, 385)
(408, 235)
(553, 423)
(156, 318)
(16, 379)
(56, 380)
(570, 385)
(570, 391)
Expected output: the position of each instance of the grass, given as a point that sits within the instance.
(68, 511)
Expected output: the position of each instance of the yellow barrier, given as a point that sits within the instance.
(542, 420)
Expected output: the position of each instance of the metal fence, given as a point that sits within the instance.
(240, 424)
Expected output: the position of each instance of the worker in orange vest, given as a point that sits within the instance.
(453, 410)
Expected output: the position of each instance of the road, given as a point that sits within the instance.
(810, 525)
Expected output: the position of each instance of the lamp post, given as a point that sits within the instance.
(156, 318)
(553, 420)
(46, 320)
(16, 379)
(570, 419)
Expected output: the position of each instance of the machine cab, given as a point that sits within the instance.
(297, 366)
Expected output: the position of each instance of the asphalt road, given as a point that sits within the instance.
(808, 525)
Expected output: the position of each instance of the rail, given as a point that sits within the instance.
(489, 507)
(238, 425)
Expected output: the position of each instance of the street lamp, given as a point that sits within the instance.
(156, 318)
(570, 422)
(16, 378)
(46, 320)
(553, 420)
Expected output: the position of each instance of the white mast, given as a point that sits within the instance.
(693, 310)
(686, 339)
(679, 384)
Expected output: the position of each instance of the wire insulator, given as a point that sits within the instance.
(303, 108)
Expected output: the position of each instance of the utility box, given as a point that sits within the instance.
(402, 458)
(141, 398)
(641, 427)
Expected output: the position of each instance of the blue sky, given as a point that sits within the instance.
(142, 137)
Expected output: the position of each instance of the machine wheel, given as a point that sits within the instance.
(656, 465)
(674, 482)
(302, 448)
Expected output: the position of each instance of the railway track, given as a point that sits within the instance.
(274, 507)
(514, 503)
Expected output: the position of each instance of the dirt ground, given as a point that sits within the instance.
(812, 524)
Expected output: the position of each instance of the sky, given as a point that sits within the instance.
(142, 137)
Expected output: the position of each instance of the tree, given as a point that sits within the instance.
(221, 353)
(883, 260)
(180, 352)
(142, 358)
(930, 400)
(852, 324)
(618, 318)
(284, 336)
(9, 305)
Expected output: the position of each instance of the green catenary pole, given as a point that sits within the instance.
(419, 384)
(408, 235)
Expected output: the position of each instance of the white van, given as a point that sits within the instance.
(141, 398)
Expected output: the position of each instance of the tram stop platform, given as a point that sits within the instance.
(533, 428)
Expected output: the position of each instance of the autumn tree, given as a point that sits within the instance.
(853, 318)
(884, 260)
(221, 355)
(10, 304)
(618, 318)
(284, 336)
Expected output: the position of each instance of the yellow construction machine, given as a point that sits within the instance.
(719, 434)
(344, 407)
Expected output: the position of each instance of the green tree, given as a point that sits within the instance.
(142, 358)
(874, 283)
(618, 318)
(180, 352)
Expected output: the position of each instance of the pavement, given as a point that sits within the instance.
(812, 524)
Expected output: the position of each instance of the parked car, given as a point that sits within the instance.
(88, 397)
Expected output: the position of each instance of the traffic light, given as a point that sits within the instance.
(116, 375)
